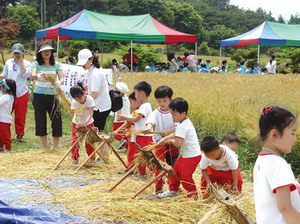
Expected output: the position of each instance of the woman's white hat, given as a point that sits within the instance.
(83, 56)
(122, 87)
(45, 48)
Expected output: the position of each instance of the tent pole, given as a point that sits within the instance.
(220, 54)
(258, 53)
(57, 48)
(131, 56)
(102, 53)
(196, 50)
(35, 45)
(162, 54)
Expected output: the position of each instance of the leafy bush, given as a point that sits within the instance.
(76, 46)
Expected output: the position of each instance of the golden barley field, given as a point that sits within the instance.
(217, 104)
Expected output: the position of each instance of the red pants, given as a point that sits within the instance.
(131, 153)
(116, 125)
(75, 150)
(143, 141)
(20, 109)
(222, 178)
(184, 169)
(5, 136)
(160, 152)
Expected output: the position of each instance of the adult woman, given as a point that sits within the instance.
(44, 94)
(173, 62)
(97, 87)
(271, 66)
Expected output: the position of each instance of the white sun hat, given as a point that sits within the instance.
(83, 56)
(45, 48)
(122, 87)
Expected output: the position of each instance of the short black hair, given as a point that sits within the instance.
(231, 138)
(162, 92)
(77, 91)
(132, 96)
(209, 143)
(224, 62)
(179, 104)
(143, 86)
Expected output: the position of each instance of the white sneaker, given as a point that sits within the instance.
(167, 194)
(138, 175)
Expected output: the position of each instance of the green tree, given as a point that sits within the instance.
(295, 19)
(218, 33)
(28, 19)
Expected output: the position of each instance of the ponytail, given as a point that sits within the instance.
(95, 61)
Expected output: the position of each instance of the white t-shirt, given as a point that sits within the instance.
(162, 120)
(227, 162)
(125, 109)
(271, 67)
(6, 104)
(191, 59)
(271, 172)
(190, 146)
(81, 110)
(13, 71)
(174, 65)
(98, 83)
(145, 110)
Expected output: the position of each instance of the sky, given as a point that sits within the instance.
(286, 8)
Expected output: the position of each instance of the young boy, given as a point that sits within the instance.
(131, 147)
(162, 120)
(184, 137)
(142, 91)
(220, 166)
(232, 141)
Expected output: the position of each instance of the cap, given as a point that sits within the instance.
(147, 67)
(3, 83)
(83, 56)
(122, 87)
(45, 48)
(17, 48)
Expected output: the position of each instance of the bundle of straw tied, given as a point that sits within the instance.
(65, 102)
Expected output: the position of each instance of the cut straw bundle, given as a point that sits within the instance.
(66, 103)
(133, 131)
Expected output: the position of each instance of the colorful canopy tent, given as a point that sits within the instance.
(266, 34)
(98, 26)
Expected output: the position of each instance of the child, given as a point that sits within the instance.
(185, 137)
(223, 70)
(8, 89)
(232, 141)
(275, 195)
(224, 63)
(83, 108)
(185, 67)
(256, 70)
(162, 120)
(208, 65)
(219, 165)
(123, 89)
(142, 91)
(203, 68)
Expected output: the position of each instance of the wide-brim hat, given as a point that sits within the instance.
(122, 87)
(83, 56)
(45, 48)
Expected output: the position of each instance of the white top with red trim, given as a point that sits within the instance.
(190, 146)
(6, 104)
(145, 110)
(162, 120)
(272, 172)
(228, 161)
(82, 110)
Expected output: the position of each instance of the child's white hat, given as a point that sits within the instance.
(122, 87)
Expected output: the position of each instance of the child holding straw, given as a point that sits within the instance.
(8, 90)
(161, 119)
(83, 108)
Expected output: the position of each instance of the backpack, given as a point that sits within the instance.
(116, 100)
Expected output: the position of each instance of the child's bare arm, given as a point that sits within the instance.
(177, 142)
(91, 112)
(285, 206)
(206, 177)
(115, 132)
(235, 179)
(168, 131)
(130, 119)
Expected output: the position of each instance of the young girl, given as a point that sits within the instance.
(8, 90)
(275, 194)
(173, 62)
(83, 108)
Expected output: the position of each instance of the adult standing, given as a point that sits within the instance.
(44, 100)
(191, 60)
(173, 62)
(271, 66)
(127, 59)
(97, 87)
(19, 69)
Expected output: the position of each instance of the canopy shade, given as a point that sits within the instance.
(268, 33)
(97, 26)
